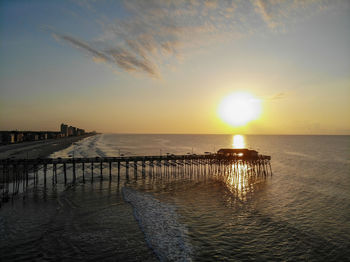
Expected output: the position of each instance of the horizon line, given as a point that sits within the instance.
(136, 133)
(223, 134)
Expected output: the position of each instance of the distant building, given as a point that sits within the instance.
(19, 137)
(64, 129)
(70, 131)
(57, 135)
(10, 137)
(51, 135)
(42, 135)
(7, 137)
(80, 132)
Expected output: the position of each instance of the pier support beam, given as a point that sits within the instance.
(127, 169)
(83, 169)
(110, 171)
(74, 175)
(118, 171)
(143, 169)
(92, 172)
(17, 171)
(135, 169)
(45, 169)
(65, 173)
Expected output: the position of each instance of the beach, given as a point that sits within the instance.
(37, 149)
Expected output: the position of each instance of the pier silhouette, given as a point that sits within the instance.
(16, 173)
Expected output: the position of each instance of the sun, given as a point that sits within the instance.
(238, 109)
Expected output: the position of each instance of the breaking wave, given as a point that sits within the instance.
(159, 222)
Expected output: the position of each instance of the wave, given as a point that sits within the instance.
(299, 154)
(159, 222)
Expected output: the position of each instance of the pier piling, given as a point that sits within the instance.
(15, 172)
(65, 173)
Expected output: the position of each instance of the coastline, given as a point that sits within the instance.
(38, 149)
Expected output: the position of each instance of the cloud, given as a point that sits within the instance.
(99, 56)
(262, 8)
(277, 14)
(278, 96)
(129, 62)
(119, 56)
(146, 35)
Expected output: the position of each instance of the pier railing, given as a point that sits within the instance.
(17, 174)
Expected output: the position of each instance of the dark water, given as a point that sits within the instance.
(301, 213)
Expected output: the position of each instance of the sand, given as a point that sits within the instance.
(37, 149)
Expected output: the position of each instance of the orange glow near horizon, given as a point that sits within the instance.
(238, 109)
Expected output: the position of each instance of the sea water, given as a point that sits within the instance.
(300, 213)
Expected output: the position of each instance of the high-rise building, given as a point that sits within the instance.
(64, 129)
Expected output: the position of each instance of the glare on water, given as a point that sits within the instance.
(238, 141)
(237, 179)
(288, 217)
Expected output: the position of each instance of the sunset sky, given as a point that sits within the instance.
(165, 66)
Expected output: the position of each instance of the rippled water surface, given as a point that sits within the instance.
(301, 213)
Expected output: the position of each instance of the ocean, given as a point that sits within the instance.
(300, 213)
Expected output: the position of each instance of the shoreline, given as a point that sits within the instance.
(38, 149)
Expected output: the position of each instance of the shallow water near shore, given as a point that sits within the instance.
(300, 213)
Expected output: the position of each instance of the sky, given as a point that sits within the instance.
(165, 66)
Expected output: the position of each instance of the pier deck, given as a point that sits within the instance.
(15, 174)
(59, 160)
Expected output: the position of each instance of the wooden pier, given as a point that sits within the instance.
(15, 174)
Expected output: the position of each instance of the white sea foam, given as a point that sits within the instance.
(88, 147)
(300, 154)
(159, 222)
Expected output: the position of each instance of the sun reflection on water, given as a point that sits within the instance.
(241, 177)
(237, 179)
(238, 141)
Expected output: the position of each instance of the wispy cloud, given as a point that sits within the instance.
(129, 62)
(278, 96)
(119, 56)
(150, 32)
(84, 46)
(277, 14)
(262, 7)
